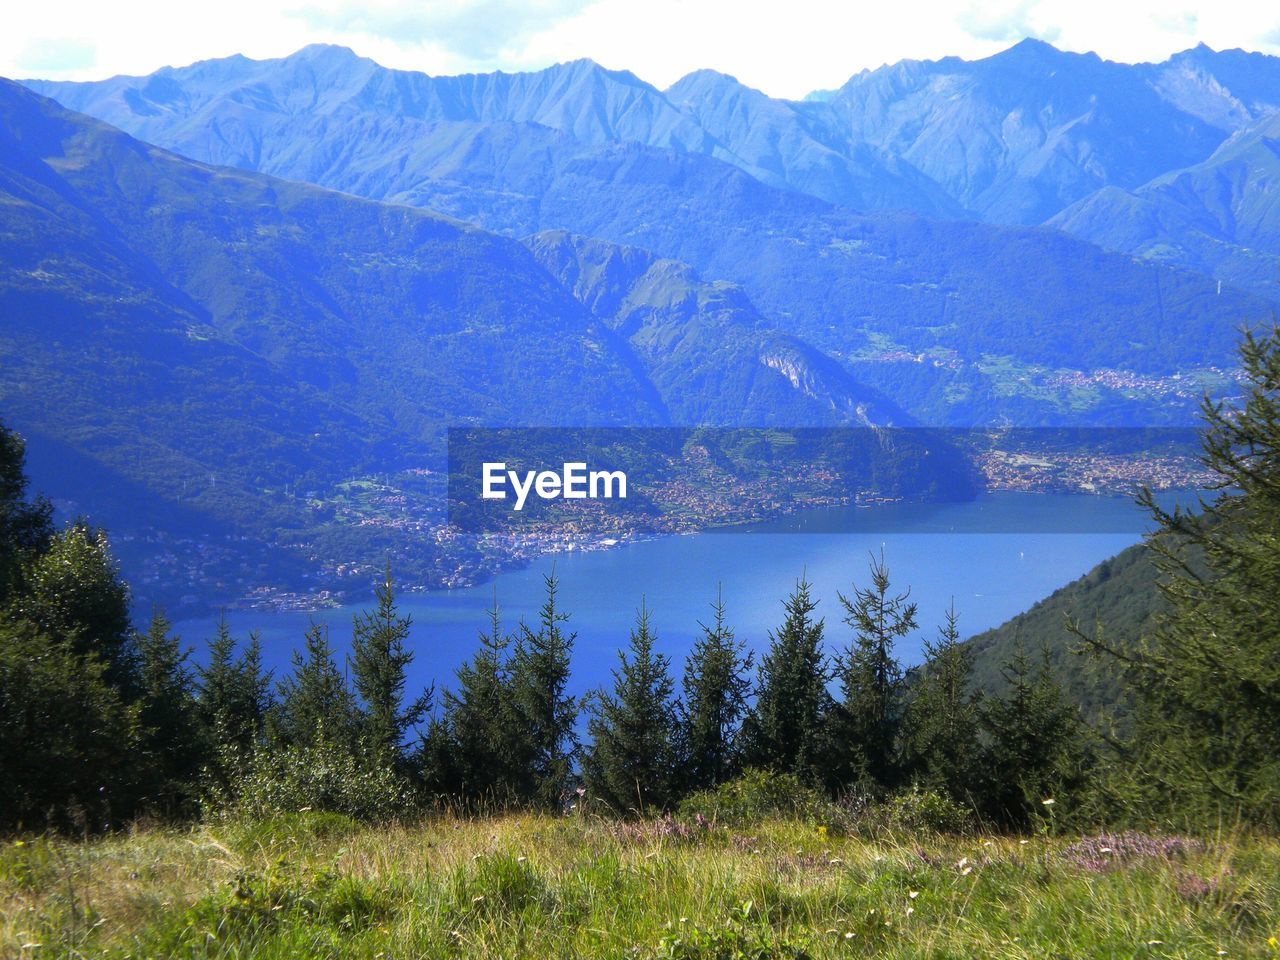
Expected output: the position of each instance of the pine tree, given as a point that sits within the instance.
(73, 591)
(235, 700)
(716, 689)
(632, 762)
(865, 723)
(784, 729)
(942, 718)
(1036, 743)
(547, 713)
(484, 731)
(316, 705)
(379, 665)
(169, 715)
(69, 742)
(26, 526)
(1206, 741)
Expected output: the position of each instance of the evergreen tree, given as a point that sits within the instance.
(1206, 738)
(379, 663)
(235, 695)
(784, 729)
(715, 699)
(25, 526)
(69, 742)
(632, 762)
(1035, 746)
(864, 724)
(316, 705)
(547, 713)
(72, 591)
(169, 715)
(482, 726)
(941, 723)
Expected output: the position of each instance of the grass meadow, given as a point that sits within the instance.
(317, 885)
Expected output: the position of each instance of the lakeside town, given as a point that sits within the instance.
(428, 552)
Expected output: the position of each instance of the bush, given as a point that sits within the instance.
(756, 796)
(926, 811)
(913, 811)
(323, 777)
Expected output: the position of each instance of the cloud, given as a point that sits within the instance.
(1178, 21)
(57, 55)
(1005, 22)
(480, 30)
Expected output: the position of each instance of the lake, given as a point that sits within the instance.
(995, 556)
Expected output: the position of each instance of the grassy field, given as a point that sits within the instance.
(529, 886)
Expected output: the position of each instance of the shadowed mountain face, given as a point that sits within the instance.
(1220, 217)
(201, 331)
(953, 303)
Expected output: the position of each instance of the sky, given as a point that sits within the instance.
(786, 48)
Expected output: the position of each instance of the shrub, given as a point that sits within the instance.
(323, 777)
(756, 796)
(926, 811)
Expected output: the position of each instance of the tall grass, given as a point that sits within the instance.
(316, 885)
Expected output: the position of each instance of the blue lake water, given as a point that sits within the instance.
(995, 556)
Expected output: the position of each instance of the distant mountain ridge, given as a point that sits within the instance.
(943, 316)
(1220, 217)
(1013, 138)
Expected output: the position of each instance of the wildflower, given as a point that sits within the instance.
(913, 894)
(477, 899)
(822, 832)
(1023, 843)
(848, 935)
(966, 871)
(835, 861)
(521, 859)
(19, 843)
(1048, 803)
(1155, 943)
(910, 911)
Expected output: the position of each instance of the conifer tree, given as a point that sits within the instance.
(169, 715)
(1206, 741)
(72, 591)
(784, 729)
(1035, 749)
(547, 713)
(379, 665)
(864, 725)
(26, 526)
(716, 689)
(482, 724)
(632, 762)
(235, 699)
(316, 705)
(941, 722)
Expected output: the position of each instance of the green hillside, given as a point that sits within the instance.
(1120, 593)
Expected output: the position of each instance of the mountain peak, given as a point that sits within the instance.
(328, 53)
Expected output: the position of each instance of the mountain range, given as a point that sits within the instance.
(941, 313)
(245, 286)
